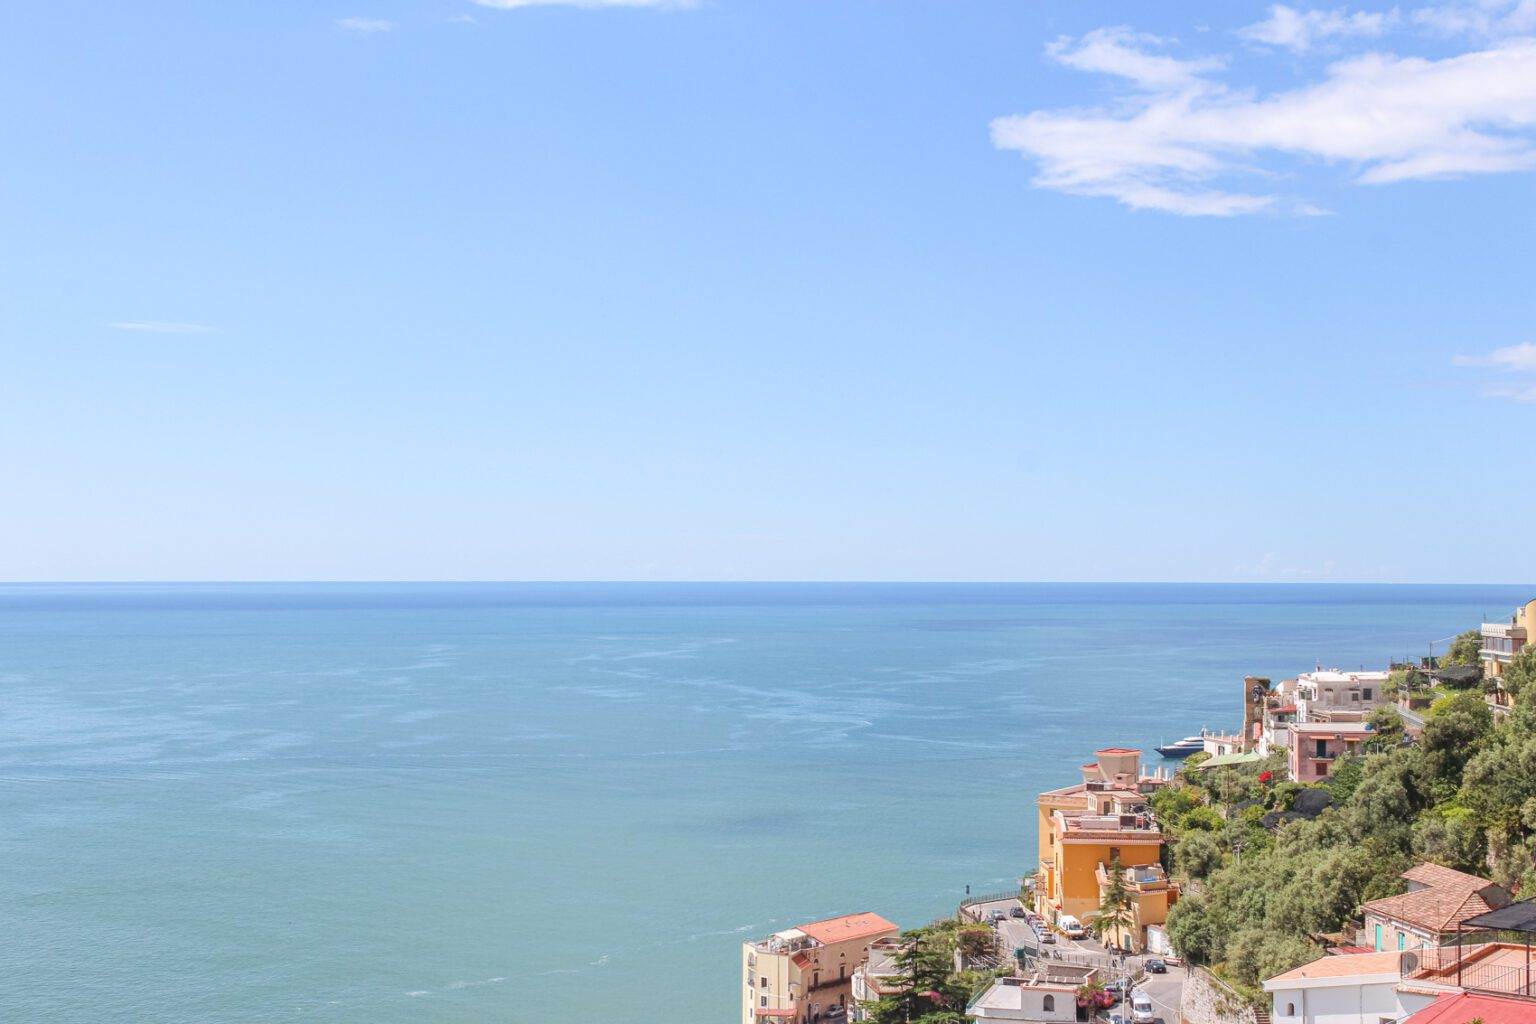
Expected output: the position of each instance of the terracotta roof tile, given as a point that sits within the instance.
(1345, 966)
(1440, 875)
(1450, 897)
(848, 927)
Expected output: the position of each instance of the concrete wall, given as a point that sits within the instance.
(1207, 1001)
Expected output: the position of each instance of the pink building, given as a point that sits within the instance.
(1316, 745)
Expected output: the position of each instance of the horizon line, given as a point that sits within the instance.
(1288, 581)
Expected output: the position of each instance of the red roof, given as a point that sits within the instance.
(1463, 1006)
(1449, 897)
(847, 928)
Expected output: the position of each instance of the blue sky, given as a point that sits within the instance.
(739, 289)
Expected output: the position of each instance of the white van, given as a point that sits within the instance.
(1071, 927)
(1141, 1008)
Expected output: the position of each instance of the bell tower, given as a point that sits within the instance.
(1255, 689)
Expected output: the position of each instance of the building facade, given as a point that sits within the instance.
(1086, 827)
(1314, 746)
(1438, 899)
(799, 974)
(1359, 988)
(1335, 696)
(1049, 995)
(1501, 642)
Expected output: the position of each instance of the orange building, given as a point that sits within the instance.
(1085, 828)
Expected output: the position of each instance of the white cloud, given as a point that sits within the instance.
(162, 327)
(1513, 357)
(365, 26)
(512, 4)
(1514, 360)
(1489, 19)
(1301, 30)
(1175, 141)
(1121, 52)
(1525, 393)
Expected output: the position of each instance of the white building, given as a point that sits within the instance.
(1359, 988)
(1335, 696)
(1049, 995)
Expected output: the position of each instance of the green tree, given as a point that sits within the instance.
(934, 993)
(1197, 855)
(1115, 904)
(1192, 930)
(1386, 728)
(1456, 726)
(1520, 673)
(1464, 649)
(1449, 835)
(1201, 819)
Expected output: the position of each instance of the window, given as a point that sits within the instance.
(1290, 1009)
(762, 1001)
(1322, 748)
(1378, 938)
(1400, 940)
(1322, 768)
(1049, 1005)
(1366, 693)
(765, 981)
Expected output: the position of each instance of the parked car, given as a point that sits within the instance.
(1155, 966)
(1117, 987)
(1046, 936)
(997, 915)
(1016, 912)
(1115, 1018)
(1071, 927)
(1141, 1008)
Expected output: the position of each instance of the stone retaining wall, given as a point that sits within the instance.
(1207, 1000)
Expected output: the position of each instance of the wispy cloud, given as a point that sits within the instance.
(1179, 140)
(1513, 357)
(1516, 365)
(1486, 19)
(1126, 54)
(659, 4)
(163, 327)
(1299, 30)
(365, 26)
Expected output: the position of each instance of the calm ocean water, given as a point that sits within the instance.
(567, 803)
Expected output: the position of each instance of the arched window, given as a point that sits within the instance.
(1290, 1009)
(1050, 1004)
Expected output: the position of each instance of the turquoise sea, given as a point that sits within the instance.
(567, 804)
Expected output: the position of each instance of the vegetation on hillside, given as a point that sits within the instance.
(1463, 795)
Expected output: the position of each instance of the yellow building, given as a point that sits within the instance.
(1503, 640)
(798, 974)
(1086, 827)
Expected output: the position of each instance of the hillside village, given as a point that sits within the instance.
(1360, 850)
